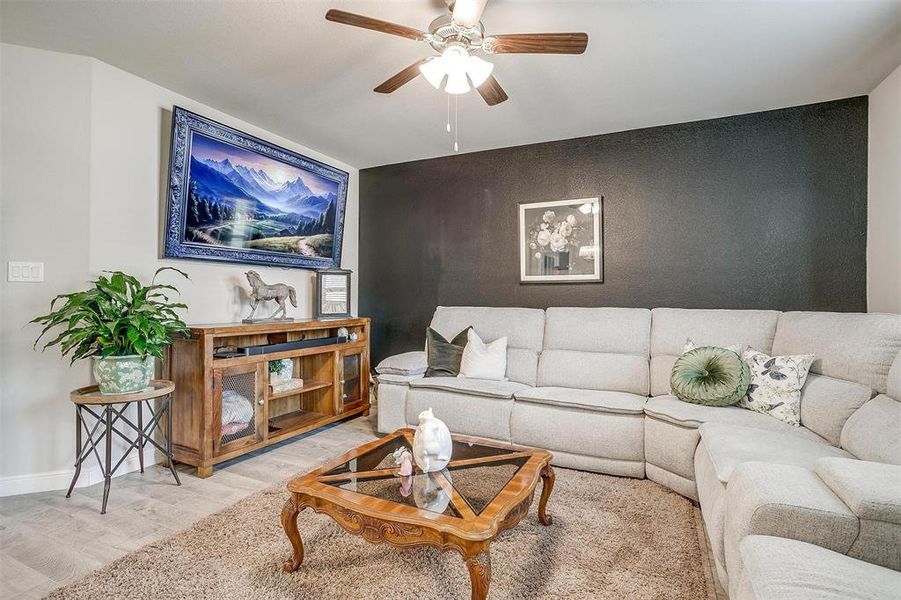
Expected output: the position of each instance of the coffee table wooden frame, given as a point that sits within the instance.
(407, 526)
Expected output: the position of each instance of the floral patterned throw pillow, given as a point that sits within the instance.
(776, 383)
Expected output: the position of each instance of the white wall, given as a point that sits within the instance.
(884, 197)
(84, 158)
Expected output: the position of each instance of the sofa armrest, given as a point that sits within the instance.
(397, 379)
(408, 364)
(784, 501)
(871, 490)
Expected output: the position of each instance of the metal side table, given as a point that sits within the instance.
(102, 407)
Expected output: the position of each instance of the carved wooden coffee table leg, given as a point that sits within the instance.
(547, 476)
(479, 566)
(289, 523)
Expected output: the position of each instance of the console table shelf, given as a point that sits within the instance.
(294, 420)
(307, 387)
(224, 407)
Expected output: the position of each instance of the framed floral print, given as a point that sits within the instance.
(561, 241)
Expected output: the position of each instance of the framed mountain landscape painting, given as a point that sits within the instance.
(234, 197)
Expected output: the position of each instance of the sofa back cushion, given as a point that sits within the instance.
(858, 347)
(596, 349)
(894, 379)
(873, 432)
(523, 328)
(827, 403)
(670, 327)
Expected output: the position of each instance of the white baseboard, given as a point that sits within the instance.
(59, 480)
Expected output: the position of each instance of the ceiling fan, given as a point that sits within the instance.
(459, 37)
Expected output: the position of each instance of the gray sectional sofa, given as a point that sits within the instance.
(592, 386)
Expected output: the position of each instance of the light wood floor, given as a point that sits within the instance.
(47, 541)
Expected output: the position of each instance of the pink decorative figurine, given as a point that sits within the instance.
(403, 458)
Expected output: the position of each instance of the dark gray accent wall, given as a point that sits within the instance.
(765, 210)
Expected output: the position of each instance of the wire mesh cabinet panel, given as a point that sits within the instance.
(238, 395)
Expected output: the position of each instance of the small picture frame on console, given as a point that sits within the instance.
(332, 294)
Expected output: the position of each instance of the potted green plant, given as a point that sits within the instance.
(121, 323)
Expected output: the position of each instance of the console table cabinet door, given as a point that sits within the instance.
(353, 379)
(239, 407)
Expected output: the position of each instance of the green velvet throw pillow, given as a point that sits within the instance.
(444, 356)
(710, 376)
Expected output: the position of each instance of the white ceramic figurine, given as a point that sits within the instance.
(432, 444)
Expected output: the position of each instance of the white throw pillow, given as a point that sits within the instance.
(776, 383)
(484, 361)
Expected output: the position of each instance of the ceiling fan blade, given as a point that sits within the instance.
(340, 16)
(468, 13)
(492, 92)
(405, 76)
(537, 43)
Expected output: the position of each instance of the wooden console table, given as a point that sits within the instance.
(336, 386)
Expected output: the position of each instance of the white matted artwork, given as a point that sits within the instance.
(561, 241)
(332, 293)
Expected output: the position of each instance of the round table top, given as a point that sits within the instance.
(91, 394)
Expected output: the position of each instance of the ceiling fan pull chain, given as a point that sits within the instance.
(448, 113)
(456, 124)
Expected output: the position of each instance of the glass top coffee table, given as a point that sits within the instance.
(485, 489)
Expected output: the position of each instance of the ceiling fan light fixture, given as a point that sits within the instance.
(433, 70)
(457, 83)
(479, 70)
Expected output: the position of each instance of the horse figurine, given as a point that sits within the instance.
(260, 292)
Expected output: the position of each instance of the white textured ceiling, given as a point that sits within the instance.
(282, 66)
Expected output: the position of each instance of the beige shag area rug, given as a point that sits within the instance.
(611, 538)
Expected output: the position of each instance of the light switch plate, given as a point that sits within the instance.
(25, 271)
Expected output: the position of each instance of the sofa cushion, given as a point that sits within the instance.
(731, 445)
(484, 361)
(872, 490)
(523, 328)
(873, 432)
(894, 379)
(827, 403)
(670, 327)
(599, 401)
(607, 330)
(710, 376)
(444, 353)
(858, 347)
(482, 416)
(776, 568)
(613, 437)
(671, 434)
(472, 387)
(661, 369)
(596, 348)
(593, 371)
(673, 410)
(776, 383)
(408, 363)
(785, 501)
